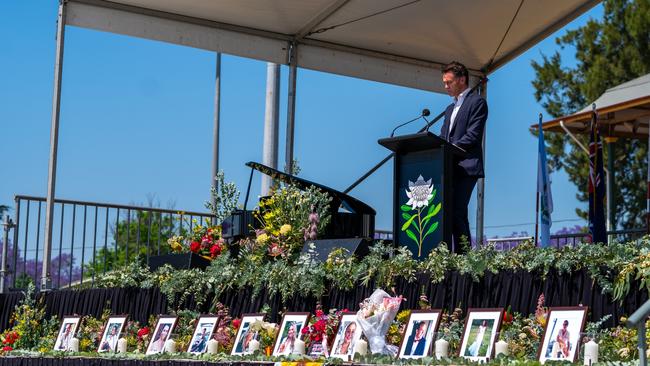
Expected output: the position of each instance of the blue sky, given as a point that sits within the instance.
(137, 115)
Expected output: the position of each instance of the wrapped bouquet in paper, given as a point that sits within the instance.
(375, 317)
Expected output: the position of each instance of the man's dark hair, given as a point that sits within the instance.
(457, 69)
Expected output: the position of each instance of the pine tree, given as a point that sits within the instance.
(608, 52)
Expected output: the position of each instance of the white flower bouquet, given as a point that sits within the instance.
(375, 316)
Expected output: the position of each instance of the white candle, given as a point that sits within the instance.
(73, 345)
(361, 347)
(298, 347)
(501, 347)
(213, 347)
(591, 353)
(253, 346)
(121, 345)
(326, 351)
(442, 348)
(170, 346)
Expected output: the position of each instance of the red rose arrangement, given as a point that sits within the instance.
(142, 338)
(205, 241)
(8, 339)
(507, 316)
(321, 326)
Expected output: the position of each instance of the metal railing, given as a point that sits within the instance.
(569, 239)
(89, 238)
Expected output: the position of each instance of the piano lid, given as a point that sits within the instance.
(349, 203)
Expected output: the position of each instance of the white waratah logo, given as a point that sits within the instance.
(419, 193)
(419, 211)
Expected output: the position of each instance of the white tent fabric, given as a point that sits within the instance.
(401, 42)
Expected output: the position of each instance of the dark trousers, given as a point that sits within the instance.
(462, 189)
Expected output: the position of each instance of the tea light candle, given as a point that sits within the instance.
(501, 347)
(298, 347)
(170, 346)
(591, 353)
(253, 345)
(442, 348)
(121, 345)
(361, 347)
(213, 347)
(73, 345)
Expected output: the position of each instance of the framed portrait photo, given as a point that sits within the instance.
(479, 335)
(245, 334)
(419, 334)
(164, 327)
(290, 328)
(205, 327)
(69, 326)
(561, 340)
(347, 335)
(112, 331)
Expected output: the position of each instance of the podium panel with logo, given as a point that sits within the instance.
(422, 188)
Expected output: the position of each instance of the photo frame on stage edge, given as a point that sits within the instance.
(480, 333)
(290, 330)
(347, 335)
(69, 326)
(112, 331)
(245, 335)
(205, 328)
(161, 332)
(561, 339)
(420, 334)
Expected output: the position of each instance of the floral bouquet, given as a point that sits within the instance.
(320, 329)
(205, 241)
(375, 317)
(267, 332)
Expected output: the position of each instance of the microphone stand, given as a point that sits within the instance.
(390, 156)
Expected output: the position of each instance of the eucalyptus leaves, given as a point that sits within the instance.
(421, 195)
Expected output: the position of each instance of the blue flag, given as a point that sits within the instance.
(544, 190)
(596, 186)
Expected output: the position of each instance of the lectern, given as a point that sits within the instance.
(422, 190)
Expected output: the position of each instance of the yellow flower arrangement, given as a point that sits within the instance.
(285, 229)
(262, 238)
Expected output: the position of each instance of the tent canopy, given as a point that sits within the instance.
(401, 42)
(623, 111)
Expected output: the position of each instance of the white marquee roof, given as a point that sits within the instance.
(401, 42)
(623, 111)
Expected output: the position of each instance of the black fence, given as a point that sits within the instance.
(88, 238)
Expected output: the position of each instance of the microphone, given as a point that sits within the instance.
(425, 112)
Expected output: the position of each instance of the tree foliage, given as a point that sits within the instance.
(608, 52)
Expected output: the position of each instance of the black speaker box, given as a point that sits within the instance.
(358, 247)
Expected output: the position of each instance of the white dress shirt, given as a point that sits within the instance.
(457, 103)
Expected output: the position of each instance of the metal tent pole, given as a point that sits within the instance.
(647, 214)
(480, 191)
(215, 132)
(54, 142)
(271, 124)
(8, 225)
(291, 107)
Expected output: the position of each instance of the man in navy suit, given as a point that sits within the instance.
(416, 342)
(464, 123)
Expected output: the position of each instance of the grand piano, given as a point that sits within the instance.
(350, 218)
